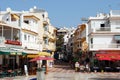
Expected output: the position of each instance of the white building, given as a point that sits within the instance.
(104, 31)
(68, 40)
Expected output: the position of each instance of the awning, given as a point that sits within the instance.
(103, 57)
(8, 51)
(44, 54)
(38, 54)
(32, 55)
(108, 56)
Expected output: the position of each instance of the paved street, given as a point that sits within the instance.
(64, 72)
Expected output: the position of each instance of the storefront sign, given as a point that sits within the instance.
(13, 42)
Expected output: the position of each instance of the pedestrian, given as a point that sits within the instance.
(26, 70)
(77, 65)
(87, 67)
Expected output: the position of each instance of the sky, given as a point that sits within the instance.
(64, 13)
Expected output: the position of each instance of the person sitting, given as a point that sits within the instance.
(77, 65)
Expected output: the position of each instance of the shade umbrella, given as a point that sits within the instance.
(42, 58)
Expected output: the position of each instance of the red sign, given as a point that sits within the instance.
(12, 42)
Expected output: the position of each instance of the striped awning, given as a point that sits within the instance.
(9, 51)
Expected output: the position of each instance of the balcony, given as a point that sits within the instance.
(103, 29)
(112, 46)
(14, 24)
(46, 34)
(30, 27)
(45, 21)
(29, 45)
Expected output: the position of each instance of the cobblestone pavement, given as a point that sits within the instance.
(64, 72)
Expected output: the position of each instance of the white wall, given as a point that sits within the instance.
(29, 42)
(102, 39)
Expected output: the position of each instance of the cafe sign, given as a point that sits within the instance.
(13, 42)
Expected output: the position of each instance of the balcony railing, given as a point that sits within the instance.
(103, 29)
(29, 27)
(29, 45)
(45, 21)
(105, 46)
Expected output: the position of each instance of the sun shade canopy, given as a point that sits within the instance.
(108, 56)
(8, 51)
(41, 58)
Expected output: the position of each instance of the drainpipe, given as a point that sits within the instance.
(11, 33)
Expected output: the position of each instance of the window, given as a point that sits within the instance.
(25, 37)
(46, 28)
(43, 15)
(91, 40)
(26, 21)
(46, 41)
(28, 38)
(102, 25)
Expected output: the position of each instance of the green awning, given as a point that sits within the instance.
(8, 51)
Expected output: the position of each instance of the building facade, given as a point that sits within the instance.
(27, 32)
(104, 33)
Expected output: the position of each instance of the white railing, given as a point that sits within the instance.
(29, 45)
(115, 13)
(103, 29)
(14, 24)
(105, 46)
(29, 27)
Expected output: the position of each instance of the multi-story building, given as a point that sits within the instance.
(46, 31)
(68, 42)
(61, 42)
(104, 33)
(81, 42)
(27, 32)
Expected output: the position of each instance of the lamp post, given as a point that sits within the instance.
(40, 50)
(40, 72)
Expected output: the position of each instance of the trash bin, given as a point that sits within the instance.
(41, 74)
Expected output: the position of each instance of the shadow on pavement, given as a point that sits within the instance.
(104, 79)
(62, 64)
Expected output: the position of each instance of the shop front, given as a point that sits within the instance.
(10, 57)
(107, 60)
